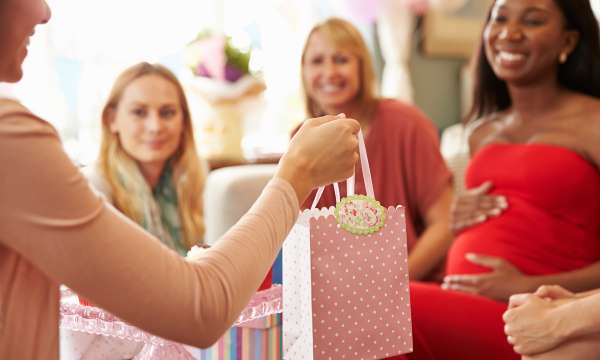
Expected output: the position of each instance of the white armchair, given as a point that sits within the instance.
(229, 193)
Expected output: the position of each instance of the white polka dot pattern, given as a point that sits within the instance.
(360, 293)
(297, 321)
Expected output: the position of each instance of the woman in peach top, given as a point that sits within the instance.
(54, 229)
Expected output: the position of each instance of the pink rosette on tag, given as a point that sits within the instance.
(360, 214)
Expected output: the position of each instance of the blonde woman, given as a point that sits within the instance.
(149, 170)
(148, 167)
(403, 144)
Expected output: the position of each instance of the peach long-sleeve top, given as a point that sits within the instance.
(54, 229)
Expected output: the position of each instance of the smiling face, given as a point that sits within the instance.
(149, 120)
(18, 19)
(331, 74)
(524, 40)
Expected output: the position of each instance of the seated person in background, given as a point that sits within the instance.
(537, 90)
(554, 324)
(402, 143)
(148, 167)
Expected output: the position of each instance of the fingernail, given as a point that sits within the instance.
(495, 212)
(481, 218)
(502, 202)
(340, 116)
(470, 256)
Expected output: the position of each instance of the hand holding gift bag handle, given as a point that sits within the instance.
(358, 214)
(345, 271)
(366, 170)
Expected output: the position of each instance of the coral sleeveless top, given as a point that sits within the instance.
(552, 223)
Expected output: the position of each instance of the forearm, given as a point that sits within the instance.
(586, 347)
(587, 293)
(241, 258)
(430, 250)
(581, 317)
(580, 280)
(435, 241)
(118, 266)
(294, 172)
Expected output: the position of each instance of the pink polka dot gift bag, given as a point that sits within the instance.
(345, 279)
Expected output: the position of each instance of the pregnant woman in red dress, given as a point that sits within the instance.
(537, 90)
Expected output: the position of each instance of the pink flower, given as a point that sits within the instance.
(212, 52)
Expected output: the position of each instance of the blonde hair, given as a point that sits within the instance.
(344, 35)
(123, 174)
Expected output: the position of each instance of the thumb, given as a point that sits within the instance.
(553, 292)
(491, 262)
(325, 119)
(517, 300)
(482, 189)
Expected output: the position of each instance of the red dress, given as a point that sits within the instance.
(552, 225)
(406, 164)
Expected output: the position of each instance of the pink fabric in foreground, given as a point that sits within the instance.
(93, 320)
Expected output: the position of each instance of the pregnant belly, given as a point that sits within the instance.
(534, 241)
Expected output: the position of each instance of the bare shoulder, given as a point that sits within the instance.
(590, 110)
(584, 118)
(586, 127)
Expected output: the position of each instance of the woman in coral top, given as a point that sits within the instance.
(402, 143)
(54, 229)
(537, 90)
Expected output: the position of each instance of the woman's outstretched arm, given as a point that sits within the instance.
(50, 216)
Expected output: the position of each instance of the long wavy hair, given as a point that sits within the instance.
(345, 36)
(123, 174)
(581, 71)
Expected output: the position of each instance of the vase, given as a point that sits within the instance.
(219, 113)
(220, 133)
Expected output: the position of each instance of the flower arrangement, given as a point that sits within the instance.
(214, 56)
(224, 89)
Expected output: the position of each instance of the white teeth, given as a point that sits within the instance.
(330, 88)
(503, 55)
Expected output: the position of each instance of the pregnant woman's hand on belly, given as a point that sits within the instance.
(500, 283)
(474, 206)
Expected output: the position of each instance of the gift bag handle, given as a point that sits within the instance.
(336, 189)
(364, 163)
(366, 170)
